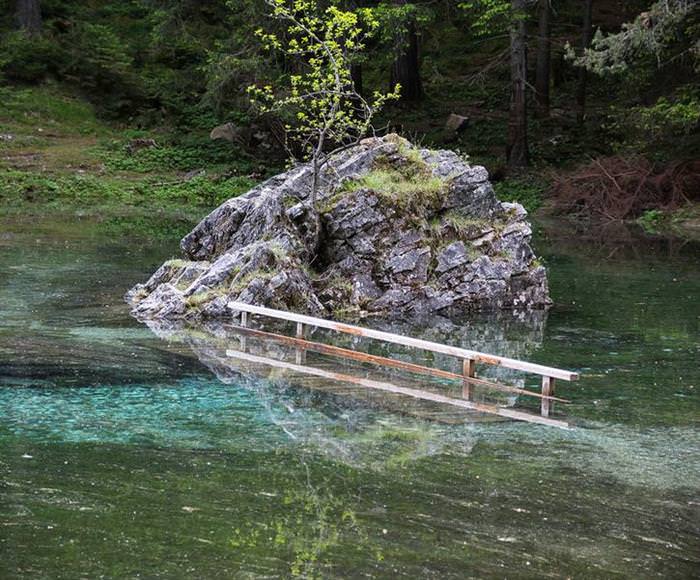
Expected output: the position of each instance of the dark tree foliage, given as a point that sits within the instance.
(186, 64)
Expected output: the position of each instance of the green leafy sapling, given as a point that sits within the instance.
(326, 112)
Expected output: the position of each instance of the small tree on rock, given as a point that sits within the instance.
(326, 111)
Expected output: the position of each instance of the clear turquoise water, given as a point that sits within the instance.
(127, 455)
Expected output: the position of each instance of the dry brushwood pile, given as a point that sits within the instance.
(619, 188)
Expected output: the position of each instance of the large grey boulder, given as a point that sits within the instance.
(396, 229)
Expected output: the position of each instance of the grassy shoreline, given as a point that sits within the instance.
(57, 157)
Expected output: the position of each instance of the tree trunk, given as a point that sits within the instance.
(316, 169)
(586, 34)
(559, 66)
(543, 58)
(405, 69)
(28, 16)
(516, 150)
(356, 74)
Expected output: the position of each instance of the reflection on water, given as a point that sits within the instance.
(125, 454)
(213, 342)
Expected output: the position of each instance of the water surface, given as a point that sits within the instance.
(126, 454)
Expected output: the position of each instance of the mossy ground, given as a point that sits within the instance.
(684, 221)
(403, 181)
(400, 190)
(56, 155)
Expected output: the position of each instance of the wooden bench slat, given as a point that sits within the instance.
(407, 341)
(390, 362)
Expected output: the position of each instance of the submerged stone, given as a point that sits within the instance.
(395, 230)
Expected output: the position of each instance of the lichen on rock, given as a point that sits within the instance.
(396, 229)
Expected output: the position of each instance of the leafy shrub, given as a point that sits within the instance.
(66, 191)
(668, 128)
(97, 56)
(203, 191)
(27, 58)
(651, 219)
(146, 226)
(677, 117)
(186, 155)
(527, 192)
(97, 60)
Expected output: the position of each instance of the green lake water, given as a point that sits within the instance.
(129, 453)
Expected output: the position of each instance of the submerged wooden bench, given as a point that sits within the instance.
(469, 358)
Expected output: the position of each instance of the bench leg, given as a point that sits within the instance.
(547, 391)
(469, 370)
